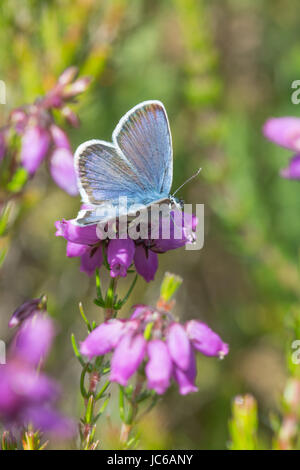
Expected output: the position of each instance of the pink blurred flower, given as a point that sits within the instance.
(2, 145)
(25, 310)
(26, 394)
(285, 131)
(35, 145)
(62, 170)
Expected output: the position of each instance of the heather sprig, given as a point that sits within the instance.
(32, 135)
(150, 348)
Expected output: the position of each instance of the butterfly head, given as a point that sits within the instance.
(175, 201)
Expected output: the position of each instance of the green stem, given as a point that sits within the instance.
(109, 299)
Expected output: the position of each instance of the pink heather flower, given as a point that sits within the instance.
(70, 116)
(75, 249)
(67, 76)
(2, 145)
(41, 138)
(168, 352)
(45, 417)
(34, 339)
(76, 234)
(64, 90)
(205, 340)
(77, 87)
(284, 131)
(19, 120)
(182, 228)
(146, 262)
(82, 242)
(59, 137)
(159, 366)
(91, 259)
(127, 358)
(292, 172)
(122, 252)
(186, 378)
(21, 386)
(62, 162)
(179, 345)
(24, 311)
(62, 170)
(35, 145)
(120, 256)
(103, 338)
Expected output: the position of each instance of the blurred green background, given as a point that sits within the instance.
(221, 68)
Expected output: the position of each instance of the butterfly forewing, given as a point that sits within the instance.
(104, 174)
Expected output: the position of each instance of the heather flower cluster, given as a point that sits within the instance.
(27, 395)
(40, 138)
(285, 131)
(153, 340)
(121, 254)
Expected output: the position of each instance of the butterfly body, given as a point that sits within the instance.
(136, 166)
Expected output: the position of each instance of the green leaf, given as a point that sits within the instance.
(122, 302)
(84, 317)
(103, 390)
(83, 390)
(76, 350)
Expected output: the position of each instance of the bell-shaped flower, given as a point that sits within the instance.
(205, 340)
(127, 358)
(146, 262)
(284, 131)
(120, 256)
(62, 170)
(186, 378)
(34, 147)
(179, 345)
(159, 366)
(103, 339)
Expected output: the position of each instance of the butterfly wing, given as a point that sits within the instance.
(143, 136)
(104, 173)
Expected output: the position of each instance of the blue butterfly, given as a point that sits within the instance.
(138, 165)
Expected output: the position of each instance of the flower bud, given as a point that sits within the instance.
(68, 75)
(26, 310)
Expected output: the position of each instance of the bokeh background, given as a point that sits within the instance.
(221, 69)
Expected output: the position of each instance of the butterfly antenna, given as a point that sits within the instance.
(187, 181)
